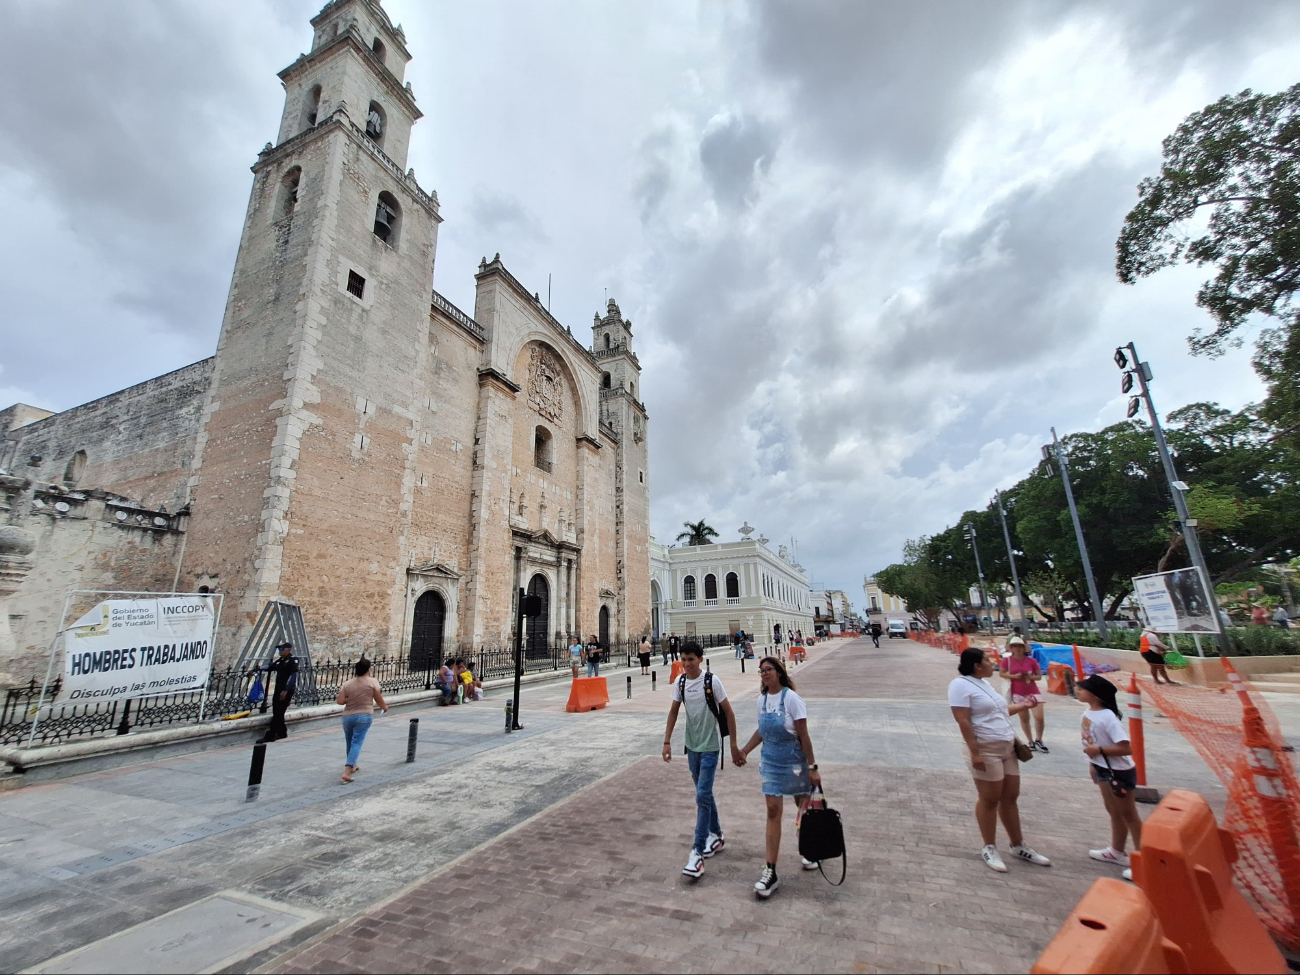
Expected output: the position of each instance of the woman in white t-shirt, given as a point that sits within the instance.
(984, 718)
(1110, 758)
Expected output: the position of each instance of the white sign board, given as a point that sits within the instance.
(1176, 602)
(138, 648)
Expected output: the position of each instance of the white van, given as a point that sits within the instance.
(897, 628)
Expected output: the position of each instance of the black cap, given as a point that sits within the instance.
(1104, 689)
(286, 645)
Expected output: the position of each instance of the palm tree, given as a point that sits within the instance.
(697, 533)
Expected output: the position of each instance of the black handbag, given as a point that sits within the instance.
(821, 837)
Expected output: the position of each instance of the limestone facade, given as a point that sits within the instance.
(359, 445)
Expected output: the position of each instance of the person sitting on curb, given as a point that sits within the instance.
(446, 683)
(707, 706)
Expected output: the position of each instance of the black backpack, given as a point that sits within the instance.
(718, 714)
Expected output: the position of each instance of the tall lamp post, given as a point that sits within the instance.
(1098, 610)
(1141, 371)
(1011, 557)
(984, 595)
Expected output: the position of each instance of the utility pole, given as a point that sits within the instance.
(1098, 609)
(1011, 557)
(1142, 372)
(984, 595)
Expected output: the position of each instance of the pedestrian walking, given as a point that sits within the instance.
(1024, 673)
(285, 669)
(643, 655)
(876, 630)
(788, 766)
(359, 697)
(990, 742)
(575, 655)
(1110, 758)
(1153, 651)
(591, 656)
(1281, 617)
(674, 649)
(707, 712)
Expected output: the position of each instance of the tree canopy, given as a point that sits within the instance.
(697, 533)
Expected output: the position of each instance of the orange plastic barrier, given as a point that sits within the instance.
(1185, 868)
(1056, 678)
(676, 672)
(1113, 928)
(588, 694)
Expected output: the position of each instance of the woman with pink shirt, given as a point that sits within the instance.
(358, 697)
(1024, 673)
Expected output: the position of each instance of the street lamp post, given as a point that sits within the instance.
(1011, 557)
(1098, 610)
(984, 595)
(1141, 371)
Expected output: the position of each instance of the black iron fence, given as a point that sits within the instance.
(228, 691)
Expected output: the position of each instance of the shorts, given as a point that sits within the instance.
(1026, 699)
(1127, 777)
(999, 761)
(1151, 657)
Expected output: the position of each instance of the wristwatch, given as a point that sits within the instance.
(812, 768)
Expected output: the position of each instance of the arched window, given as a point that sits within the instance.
(631, 388)
(76, 467)
(543, 447)
(388, 219)
(710, 586)
(688, 587)
(378, 48)
(287, 198)
(733, 586)
(310, 108)
(375, 122)
(607, 340)
(604, 381)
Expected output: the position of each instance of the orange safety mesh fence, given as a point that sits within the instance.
(954, 642)
(1263, 816)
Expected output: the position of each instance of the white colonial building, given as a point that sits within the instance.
(697, 590)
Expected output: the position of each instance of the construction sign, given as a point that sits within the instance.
(1176, 602)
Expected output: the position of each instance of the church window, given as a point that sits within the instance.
(733, 586)
(356, 285)
(375, 122)
(76, 467)
(710, 586)
(688, 587)
(310, 107)
(604, 381)
(631, 388)
(388, 219)
(288, 196)
(543, 447)
(607, 340)
(378, 48)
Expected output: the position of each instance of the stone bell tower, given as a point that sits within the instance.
(315, 397)
(622, 410)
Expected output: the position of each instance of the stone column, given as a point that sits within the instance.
(16, 544)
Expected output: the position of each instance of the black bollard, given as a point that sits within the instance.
(629, 687)
(411, 735)
(255, 773)
(653, 675)
(742, 664)
(510, 716)
(706, 665)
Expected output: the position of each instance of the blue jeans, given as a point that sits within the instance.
(593, 668)
(704, 766)
(355, 727)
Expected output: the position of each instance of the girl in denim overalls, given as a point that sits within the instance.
(788, 767)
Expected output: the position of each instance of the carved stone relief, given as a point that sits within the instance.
(546, 384)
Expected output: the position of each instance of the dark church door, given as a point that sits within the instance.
(604, 630)
(538, 642)
(426, 631)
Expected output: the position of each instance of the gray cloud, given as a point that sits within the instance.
(735, 152)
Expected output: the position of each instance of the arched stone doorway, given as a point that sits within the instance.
(655, 602)
(537, 638)
(426, 631)
(604, 628)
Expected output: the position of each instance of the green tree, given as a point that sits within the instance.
(1239, 159)
(697, 533)
(923, 581)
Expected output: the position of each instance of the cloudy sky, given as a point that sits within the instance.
(867, 249)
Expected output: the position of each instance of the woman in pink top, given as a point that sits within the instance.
(1024, 674)
(358, 697)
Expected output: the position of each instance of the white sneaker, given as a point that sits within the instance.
(1128, 874)
(1109, 855)
(809, 864)
(1027, 852)
(990, 855)
(714, 844)
(694, 865)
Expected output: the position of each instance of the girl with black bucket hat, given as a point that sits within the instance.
(1109, 752)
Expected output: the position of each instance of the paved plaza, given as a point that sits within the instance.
(560, 848)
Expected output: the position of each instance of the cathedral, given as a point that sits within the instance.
(358, 445)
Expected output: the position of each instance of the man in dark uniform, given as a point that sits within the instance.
(876, 630)
(285, 668)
